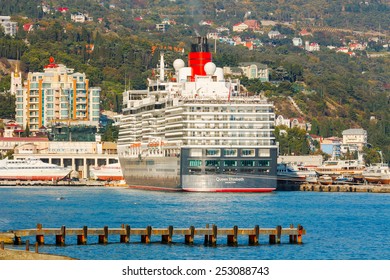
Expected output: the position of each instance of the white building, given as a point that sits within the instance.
(355, 137)
(240, 27)
(274, 34)
(280, 120)
(9, 26)
(57, 95)
(297, 42)
(311, 47)
(254, 70)
(16, 81)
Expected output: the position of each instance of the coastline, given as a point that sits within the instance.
(8, 254)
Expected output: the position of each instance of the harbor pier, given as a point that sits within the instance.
(126, 234)
(345, 188)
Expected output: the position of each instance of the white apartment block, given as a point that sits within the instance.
(57, 95)
(9, 27)
(355, 137)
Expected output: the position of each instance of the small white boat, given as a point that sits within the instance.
(109, 172)
(377, 173)
(295, 173)
(325, 180)
(343, 180)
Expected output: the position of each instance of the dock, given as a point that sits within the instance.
(209, 234)
(345, 188)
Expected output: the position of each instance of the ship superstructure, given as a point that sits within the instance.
(196, 131)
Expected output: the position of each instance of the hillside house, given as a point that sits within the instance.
(355, 136)
(297, 42)
(254, 70)
(274, 34)
(311, 47)
(240, 27)
(252, 24)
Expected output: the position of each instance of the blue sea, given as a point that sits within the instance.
(340, 226)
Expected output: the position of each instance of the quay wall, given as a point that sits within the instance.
(345, 188)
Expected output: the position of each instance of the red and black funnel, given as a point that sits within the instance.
(199, 56)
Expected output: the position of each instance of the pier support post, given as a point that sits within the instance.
(146, 238)
(213, 236)
(40, 238)
(126, 237)
(82, 238)
(17, 240)
(254, 238)
(189, 238)
(206, 236)
(232, 239)
(27, 245)
(167, 238)
(300, 231)
(36, 247)
(2, 245)
(60, 238)
(291, 237)
(278, 234)
(103, 239)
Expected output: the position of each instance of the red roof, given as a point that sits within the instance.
(51, 64)
(27, 26)
(63, 9)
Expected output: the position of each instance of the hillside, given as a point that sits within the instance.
(334, 90)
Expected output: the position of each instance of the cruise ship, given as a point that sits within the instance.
(194, 130)
(31, 169)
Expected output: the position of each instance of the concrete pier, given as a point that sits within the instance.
(345, 188)
(145, 235)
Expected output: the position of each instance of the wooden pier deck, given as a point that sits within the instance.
(125, 233)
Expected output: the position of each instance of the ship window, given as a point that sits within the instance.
(196, 152)
(212, 162)
(213, 152)
(263, 171)
(248, 152)
(230, 163)
(264, 153)
(194, 170)
(248, 163)
(211, 171)
(231, 171)
(195, 163)
(248, 170)
(264, 163)
(230, 152)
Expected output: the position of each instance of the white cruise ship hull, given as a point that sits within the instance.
(32, 170)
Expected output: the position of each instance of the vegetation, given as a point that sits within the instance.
(334, 91)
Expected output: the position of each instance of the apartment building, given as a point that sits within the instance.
(57, 95)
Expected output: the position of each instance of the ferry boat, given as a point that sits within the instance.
(377, 173)
(194, 130)
(295, 173)
(109, 172)
(335, 168)
(31, 169)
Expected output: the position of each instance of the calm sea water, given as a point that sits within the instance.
(345, 226)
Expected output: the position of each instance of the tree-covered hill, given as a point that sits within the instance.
(335, 91)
